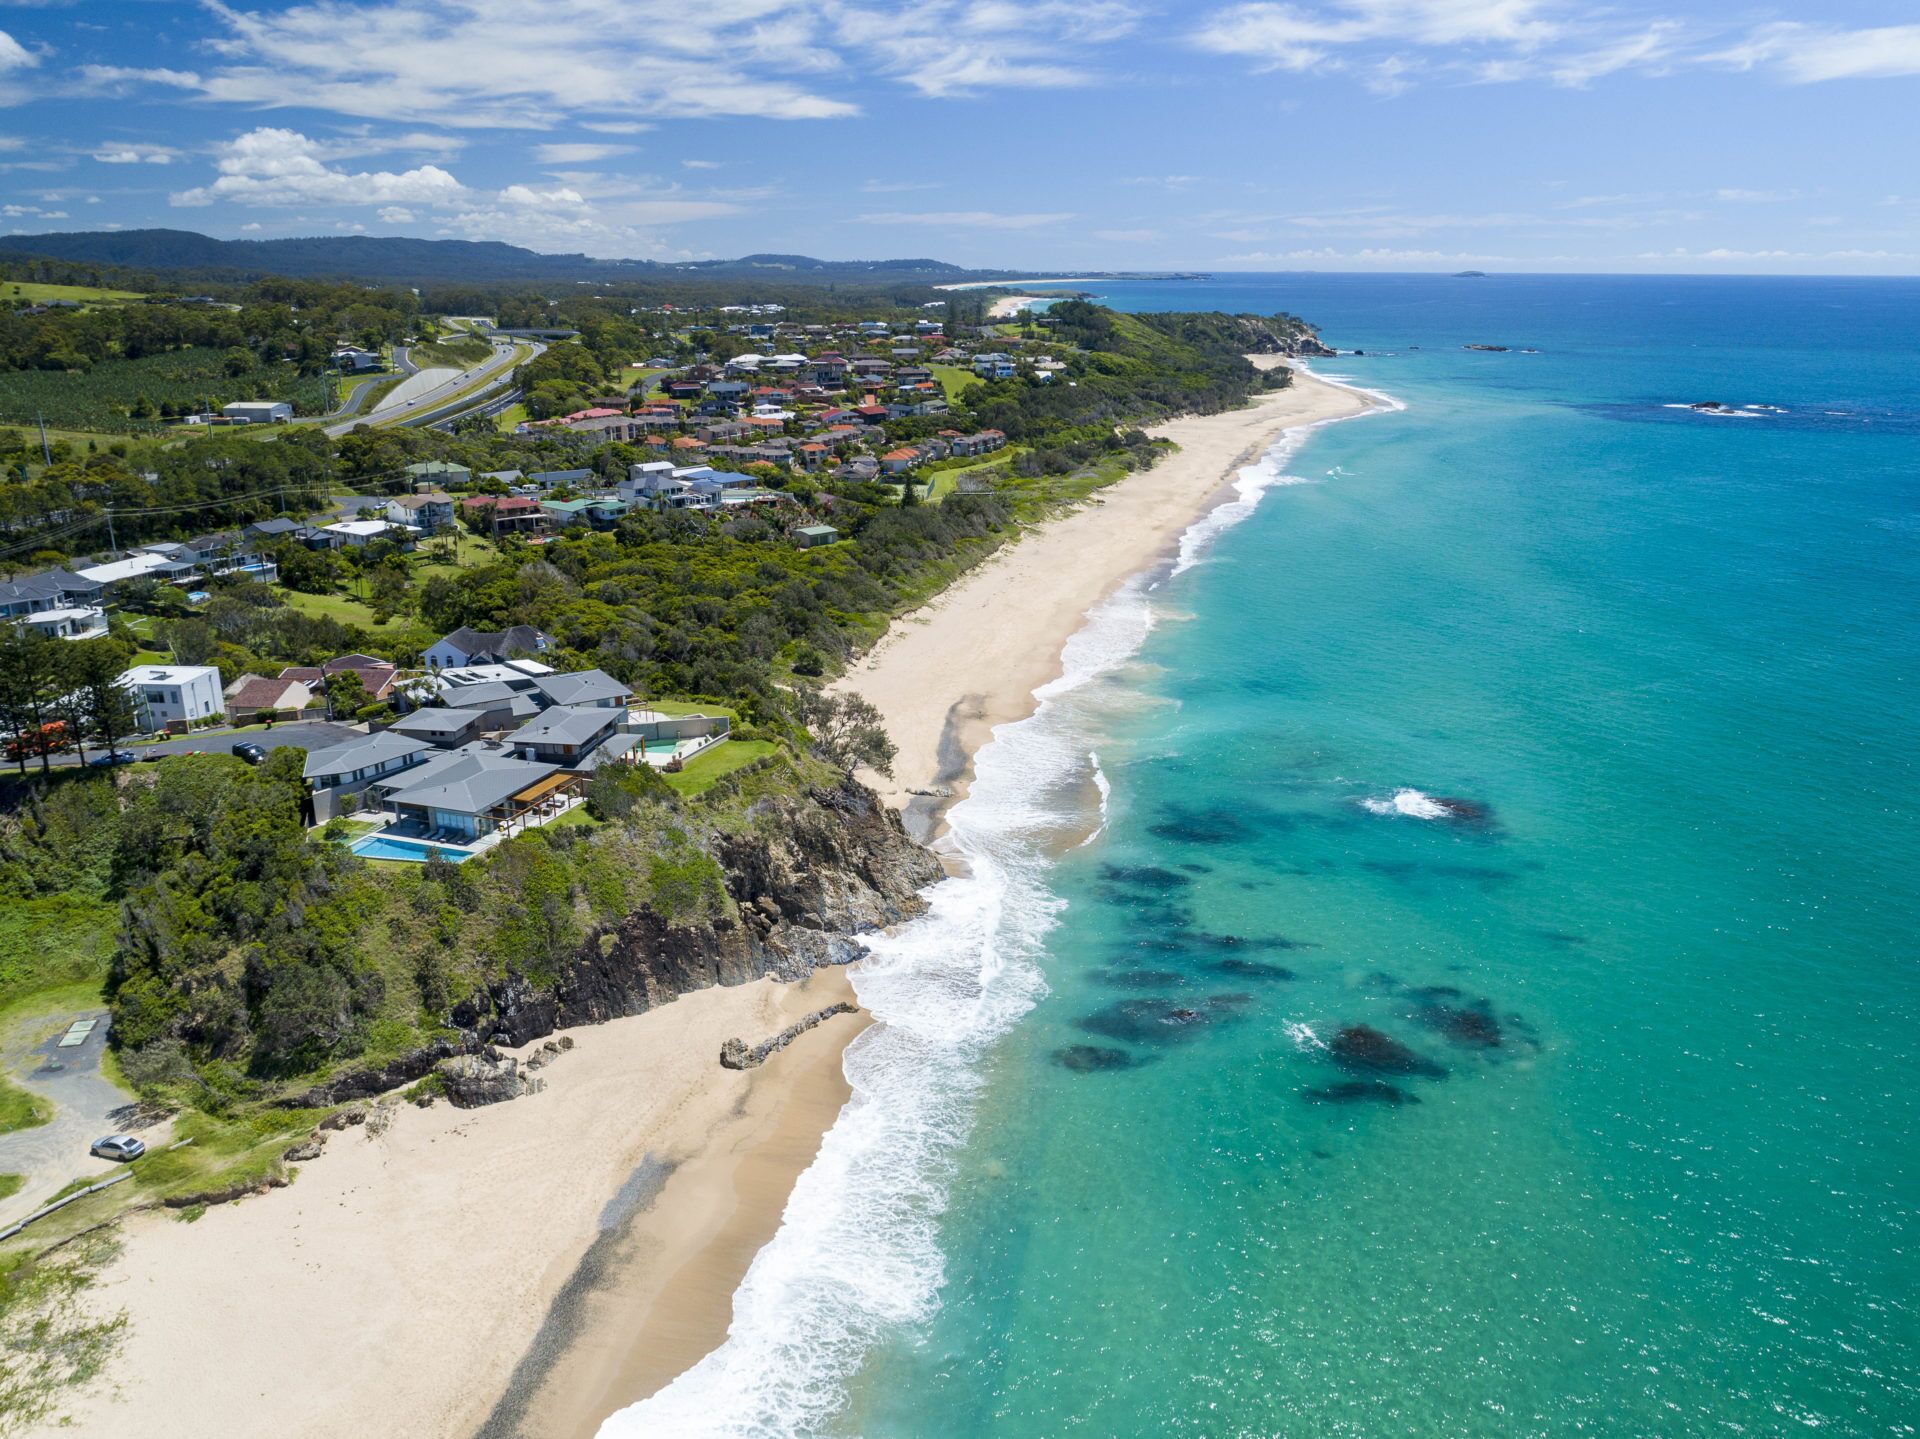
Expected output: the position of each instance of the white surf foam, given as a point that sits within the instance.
(857, 1253)
(1105, 786)
(1411, 803)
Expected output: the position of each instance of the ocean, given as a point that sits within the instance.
(1442, 960)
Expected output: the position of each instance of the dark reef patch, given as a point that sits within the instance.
(1359, 1091)
(1144, 876)
(1252, 969)
(1217, 825)
(1137, 978)
(1161, 1021)
(1093, 1058)
(1363, 1049)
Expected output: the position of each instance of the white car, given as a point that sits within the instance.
(124, 1147)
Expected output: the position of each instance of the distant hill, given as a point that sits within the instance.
(400, 258)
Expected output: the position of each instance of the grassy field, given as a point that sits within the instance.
(954, 381)
(27, 293)
(511, 416)
(705, 770)
(343, 608)
(459, 352)
(10, 1184)
(436, 556)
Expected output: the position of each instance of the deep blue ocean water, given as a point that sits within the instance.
(1488, 1001)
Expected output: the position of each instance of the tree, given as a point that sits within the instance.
(102, 707)
(29, 684)
(847, 729)
(346, 695)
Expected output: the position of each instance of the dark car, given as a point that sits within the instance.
(124, 1147)
(247, 750)
(119, 756)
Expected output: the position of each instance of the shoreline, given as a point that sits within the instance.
(945, 675)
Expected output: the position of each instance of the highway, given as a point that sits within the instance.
(452, 397)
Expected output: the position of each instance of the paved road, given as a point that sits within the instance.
(308, 734)
(426, 406)
(86, 1107)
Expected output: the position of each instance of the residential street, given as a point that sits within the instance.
(308, 734)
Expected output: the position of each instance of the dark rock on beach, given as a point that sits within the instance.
(1365, 1050)
(1360, 1091)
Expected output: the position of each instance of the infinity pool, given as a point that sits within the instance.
(379, 846)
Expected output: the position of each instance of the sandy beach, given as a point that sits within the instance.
(498, 1271)
(971, 659)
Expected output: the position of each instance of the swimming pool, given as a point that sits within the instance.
(380, 846)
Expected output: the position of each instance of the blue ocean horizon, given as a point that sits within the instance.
(1487, 1001)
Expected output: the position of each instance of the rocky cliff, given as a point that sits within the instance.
(804, 877)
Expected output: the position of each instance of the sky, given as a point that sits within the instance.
(1696, 136)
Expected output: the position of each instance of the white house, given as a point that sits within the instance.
(353, 359)
(174, 694)
(259, 412)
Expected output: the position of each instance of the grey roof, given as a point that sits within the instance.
(469, 780)
(359, 753)
(276, 526)
(488, 694)
(565, 725)
(434, 721)
(616, 748)
(496, 643)
(582, 687)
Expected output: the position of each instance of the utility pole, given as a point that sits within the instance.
(46, 452)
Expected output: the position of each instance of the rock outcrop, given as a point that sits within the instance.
(473, 1080)
(736, 1054)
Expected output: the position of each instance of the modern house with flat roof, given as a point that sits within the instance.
(174, 694)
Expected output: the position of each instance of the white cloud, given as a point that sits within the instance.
(578, 154)
(251, 226)
(118, 79)
(14, 55)
(959, 47)
(616, 127)
(283, 167)
(1286, 37)
(397, 215)
(700, 164)
(1806, 54)
(135, 154)
(967, 219)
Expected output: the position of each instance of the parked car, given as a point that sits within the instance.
(247, 750)
(119, 756)
(124, 1147)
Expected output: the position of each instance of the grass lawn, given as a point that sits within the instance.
(10, 1184)
(511, 416)
(20, 1109)
(28, 293)
(954, 380)
(677, 708)
(343, 608)
(577, 816)
(471, 551)
(54, 951)
(709, 767)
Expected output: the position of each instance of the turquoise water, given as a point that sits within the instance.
(378, 846)
(1626, 1144)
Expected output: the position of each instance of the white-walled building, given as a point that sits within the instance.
(259, 412)
(175, 694)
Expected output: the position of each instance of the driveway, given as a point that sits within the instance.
(308, 734)
(86, 1106)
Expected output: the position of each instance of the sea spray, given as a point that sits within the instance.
(857, 1253)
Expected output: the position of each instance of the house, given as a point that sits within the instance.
(809, 537)
(258, 412)
(898, 462)
(506, 514)
(994, 366)
(584, 688)
(438, 472)
(56, 603)
(468, 646)
(376, 675)
(450, 728)
(353, 360)
(429, 513)
(253, 695)
(472, 791)
(811, 455)
(274, 529)
(359, 762)
(354, 534)
(559, 479)
(166, 695)
(71, 622)
(565, 734)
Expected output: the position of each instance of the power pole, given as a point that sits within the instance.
(46, 452)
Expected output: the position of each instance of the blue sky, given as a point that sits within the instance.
(1056, 134)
